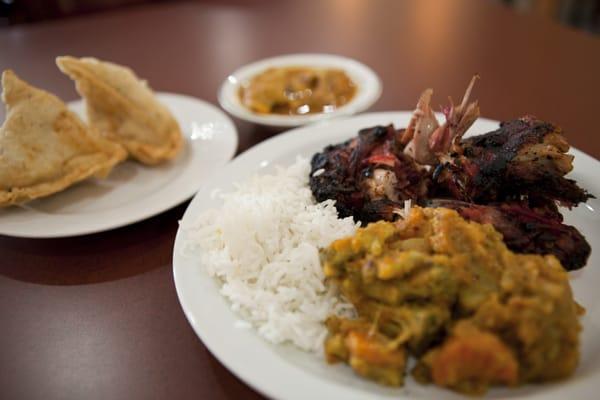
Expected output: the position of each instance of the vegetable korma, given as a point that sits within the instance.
(450, 293)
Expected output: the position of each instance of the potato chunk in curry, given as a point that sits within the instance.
(450, 293)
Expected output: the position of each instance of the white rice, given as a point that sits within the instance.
(263, 246)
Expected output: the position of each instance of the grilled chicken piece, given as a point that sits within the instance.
(368, 175)
(516, 174)
(513, 177)
(528, 229)
(524, 157)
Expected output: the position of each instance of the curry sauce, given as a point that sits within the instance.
(297, 91)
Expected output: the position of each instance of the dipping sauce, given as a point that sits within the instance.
(297, 91)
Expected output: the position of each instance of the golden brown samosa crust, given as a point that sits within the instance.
(44, 147)
(124, 109)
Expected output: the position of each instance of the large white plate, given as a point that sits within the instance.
(283, 372)
(367, 82)
(132, 191)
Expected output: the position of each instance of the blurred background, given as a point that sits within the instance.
(578, 14)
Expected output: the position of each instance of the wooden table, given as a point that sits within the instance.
(97, 317)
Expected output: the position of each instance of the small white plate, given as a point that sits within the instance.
(284, 372)
(132, 191)
(367, 82)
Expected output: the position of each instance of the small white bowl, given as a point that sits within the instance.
(367, 82)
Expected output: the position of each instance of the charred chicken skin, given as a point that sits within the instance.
(368, 174)
(522, 156)
(512, 178)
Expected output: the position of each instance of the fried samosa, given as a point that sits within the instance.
(124, 109)
(44, 147)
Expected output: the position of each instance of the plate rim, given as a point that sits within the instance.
(372, 92)
(151, 211)
(272, 390)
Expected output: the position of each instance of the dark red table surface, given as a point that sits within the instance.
(97, 317)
